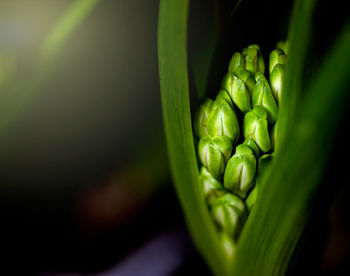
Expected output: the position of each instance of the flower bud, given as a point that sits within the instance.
(238, 92)
(223, 121)
(262, 95)
(276, 80)
(283, 45)
(214, 153)
(254, 62)
(230, 213)
(223, 95)
(255, 126)
(240, 171)
(252, 145)
(201, 118)
(247, 77)
(212, 188)
(236, 63)
(277, 56)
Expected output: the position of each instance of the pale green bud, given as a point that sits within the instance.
(251, 199)
(252, 145)
(283, 45)
(240, 171)
(236, 63)
(254, 62)
(201, 118)
(223, 95)
(230, 212)
(277, 56)
(227, 243)
(238, 92)
(255, 126)
(212, 188)
(223, 121)
(247, 77)
(262, 95)
(276, 80)
(214, 153)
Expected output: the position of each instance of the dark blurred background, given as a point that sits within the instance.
(84, 183)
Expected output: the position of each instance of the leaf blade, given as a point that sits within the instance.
(172, 58)
(290, 185)
(299, 39)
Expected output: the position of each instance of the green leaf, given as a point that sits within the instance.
(284, 202)
(298, 39)
(172, 58)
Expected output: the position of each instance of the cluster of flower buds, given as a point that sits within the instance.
(237, 136)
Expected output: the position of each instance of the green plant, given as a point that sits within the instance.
(287, 188)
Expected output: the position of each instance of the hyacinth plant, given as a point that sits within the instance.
(248, 196)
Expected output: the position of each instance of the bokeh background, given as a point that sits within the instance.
(85, 187)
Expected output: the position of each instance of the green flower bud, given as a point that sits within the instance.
(277, 56)
(251, 199)
(214, 153)
(212, 188)
(262, 95)
(247, 77)
(252, 145)
(254, 62)
(238, 92)
(276, 80)
(273, 135)
(240, 171)
(223, 121)
(283, 45)
(236, 63)
(201, 118)
(227, 242)
(255, 126)
(230, 213)
(223, 95)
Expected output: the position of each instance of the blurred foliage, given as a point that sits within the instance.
(20, 93)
